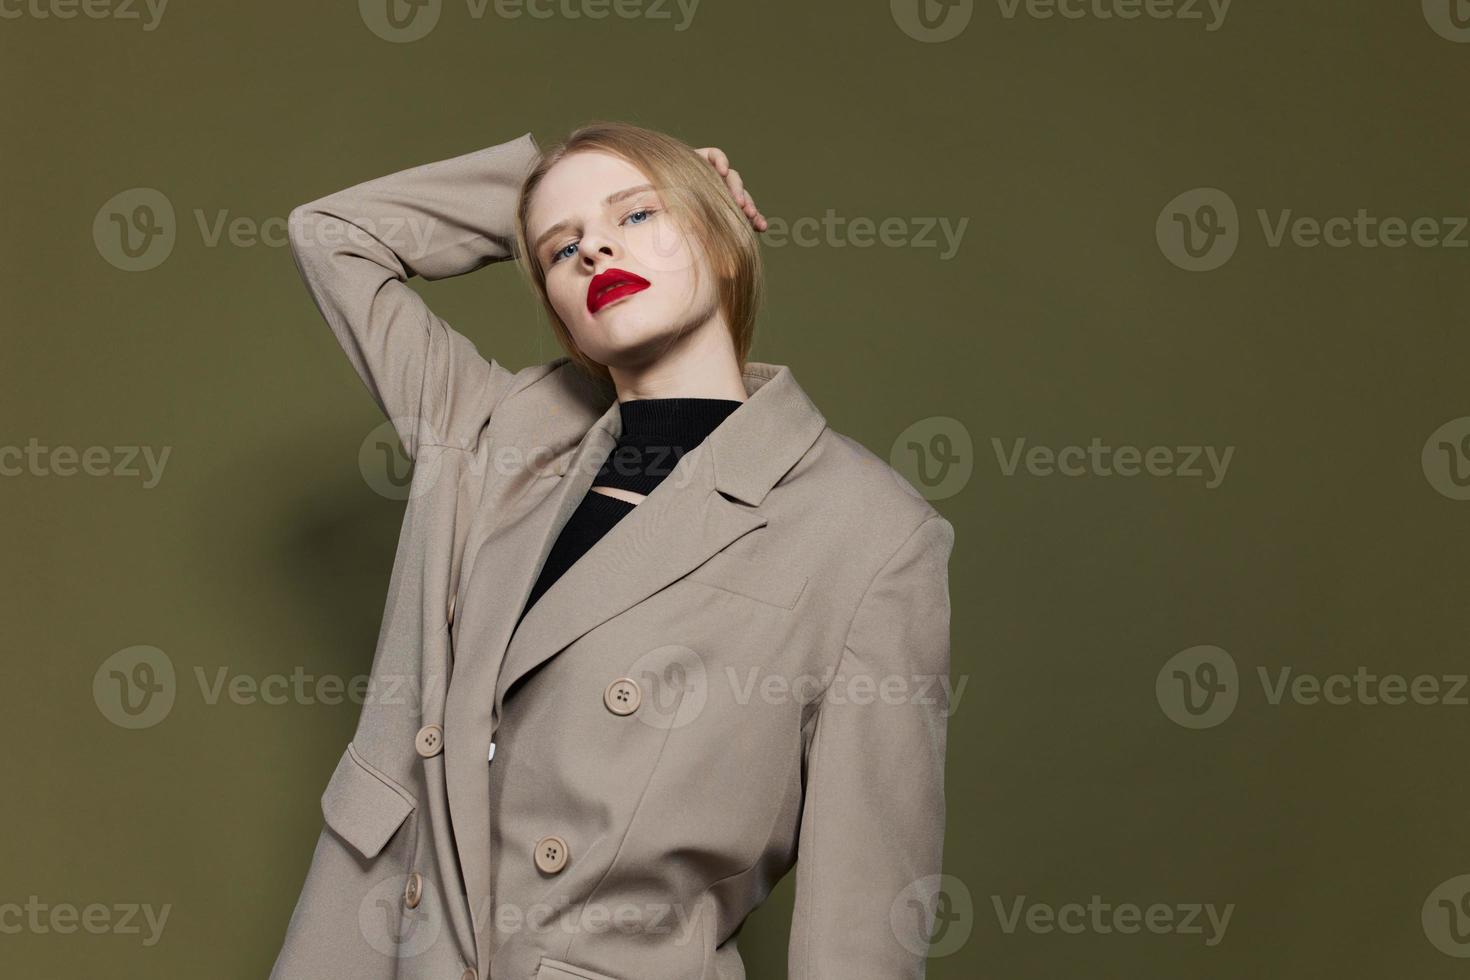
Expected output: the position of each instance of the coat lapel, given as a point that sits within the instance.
(686, 520)
(674, 529)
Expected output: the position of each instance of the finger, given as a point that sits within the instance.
(736, 185)
(717, 158)
(752, 212)
(752, 208)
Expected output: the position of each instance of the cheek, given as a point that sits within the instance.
(661, 247)
(566, 297)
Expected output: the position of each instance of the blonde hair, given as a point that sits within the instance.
(693, 194)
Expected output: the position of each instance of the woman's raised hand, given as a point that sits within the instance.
(721, 163)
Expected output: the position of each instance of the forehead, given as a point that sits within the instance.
(578, 183)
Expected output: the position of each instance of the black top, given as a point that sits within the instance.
(656, 434)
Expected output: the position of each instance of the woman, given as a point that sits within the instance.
(655, 633)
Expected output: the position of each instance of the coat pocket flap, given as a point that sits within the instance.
(775, 586)
(556, 970)
(364, 806)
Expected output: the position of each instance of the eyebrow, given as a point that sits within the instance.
(612, 198)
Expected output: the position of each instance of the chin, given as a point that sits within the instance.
(626, 340)
(628, 323)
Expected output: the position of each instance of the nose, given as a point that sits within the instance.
(599, 248)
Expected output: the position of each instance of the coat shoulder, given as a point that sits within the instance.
(864, 490)
(560, 381)
(536, 374)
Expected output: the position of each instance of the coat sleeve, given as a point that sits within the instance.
(357, 248)
(872, 824)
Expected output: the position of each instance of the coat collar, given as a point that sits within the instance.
(677, 527)
(710, 498)
(762, 439)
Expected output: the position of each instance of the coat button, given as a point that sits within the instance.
(551, 854)
(413, 890)
(622, 696)
(468, 974)
(429, 741)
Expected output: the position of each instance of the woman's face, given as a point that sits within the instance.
(595, 213)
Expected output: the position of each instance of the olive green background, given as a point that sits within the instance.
(263, 549)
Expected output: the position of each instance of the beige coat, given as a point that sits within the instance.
(750, 668)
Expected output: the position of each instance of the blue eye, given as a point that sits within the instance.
(564, 253)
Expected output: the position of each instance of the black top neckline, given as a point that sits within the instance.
(676, 421)
(656, 434)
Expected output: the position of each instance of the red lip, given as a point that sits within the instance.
(611, 285)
